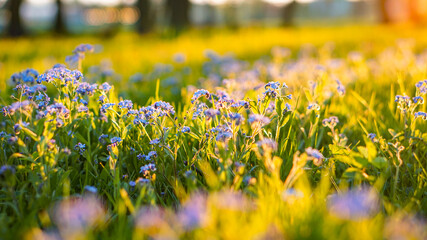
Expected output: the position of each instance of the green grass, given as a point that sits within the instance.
(220, 178)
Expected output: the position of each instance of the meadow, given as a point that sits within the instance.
(257, 133)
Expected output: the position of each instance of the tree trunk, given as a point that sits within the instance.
(385, 18)
(145, 22)
(59, 26)
(15, 27)
(178, 13)
(288, 13)
(414, 11)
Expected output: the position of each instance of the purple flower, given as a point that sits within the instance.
(355, 204)
(315, 155)
(330, 122)
(257, 118)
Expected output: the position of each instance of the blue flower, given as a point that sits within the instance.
(237, 118)
(106, 106)
(115, 141)
(27, 76)
(90, 189)
(422, 115)
(85, 88)
(287, 108)
(211, 113)
(155, 141)
(373, 137)
(146, 169)
(313, 106)
(419, 100)
(80, 147)
(105, 87)
(185, 129)
(126, 104)
(200, 93)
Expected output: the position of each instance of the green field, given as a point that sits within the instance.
(257, 133)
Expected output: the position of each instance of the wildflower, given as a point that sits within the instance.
(24, 106)
(330, 122)
(422, 86)
(288, 108)
(185, 129)
(125, 104)
(17, 128)
(354, 204)
(211, 113)
(163, 108)
(179, 58)
(148, 157)
(115, 141)
(313, 106)
(90, 189)
(200, 93)
(84, 102)
(76, 215)
(105, 87)
(418, 100)
(422, 115)
(78, 54)
(67, 151)
(404, 103)
(223, 136)
(61, 73)
(257, 118)
(102, 138)
(237, 118)
(6, 172)
(267, 144)
(12, 140)
(27, 76)
(132, 183)
(106, 106)
(102, 98)
(82, 108)
(80, 147)
(57, 109)
(199, 109)
(315, 155)
(340, 87)
(85, 88)
(155, 141)
(272, 85)
(373, 137)
(137, 77)
(241, 103)
(194, 212)
(146, 169)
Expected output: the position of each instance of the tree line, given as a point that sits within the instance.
(177, 14)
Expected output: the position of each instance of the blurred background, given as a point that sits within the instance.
(29, 17)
